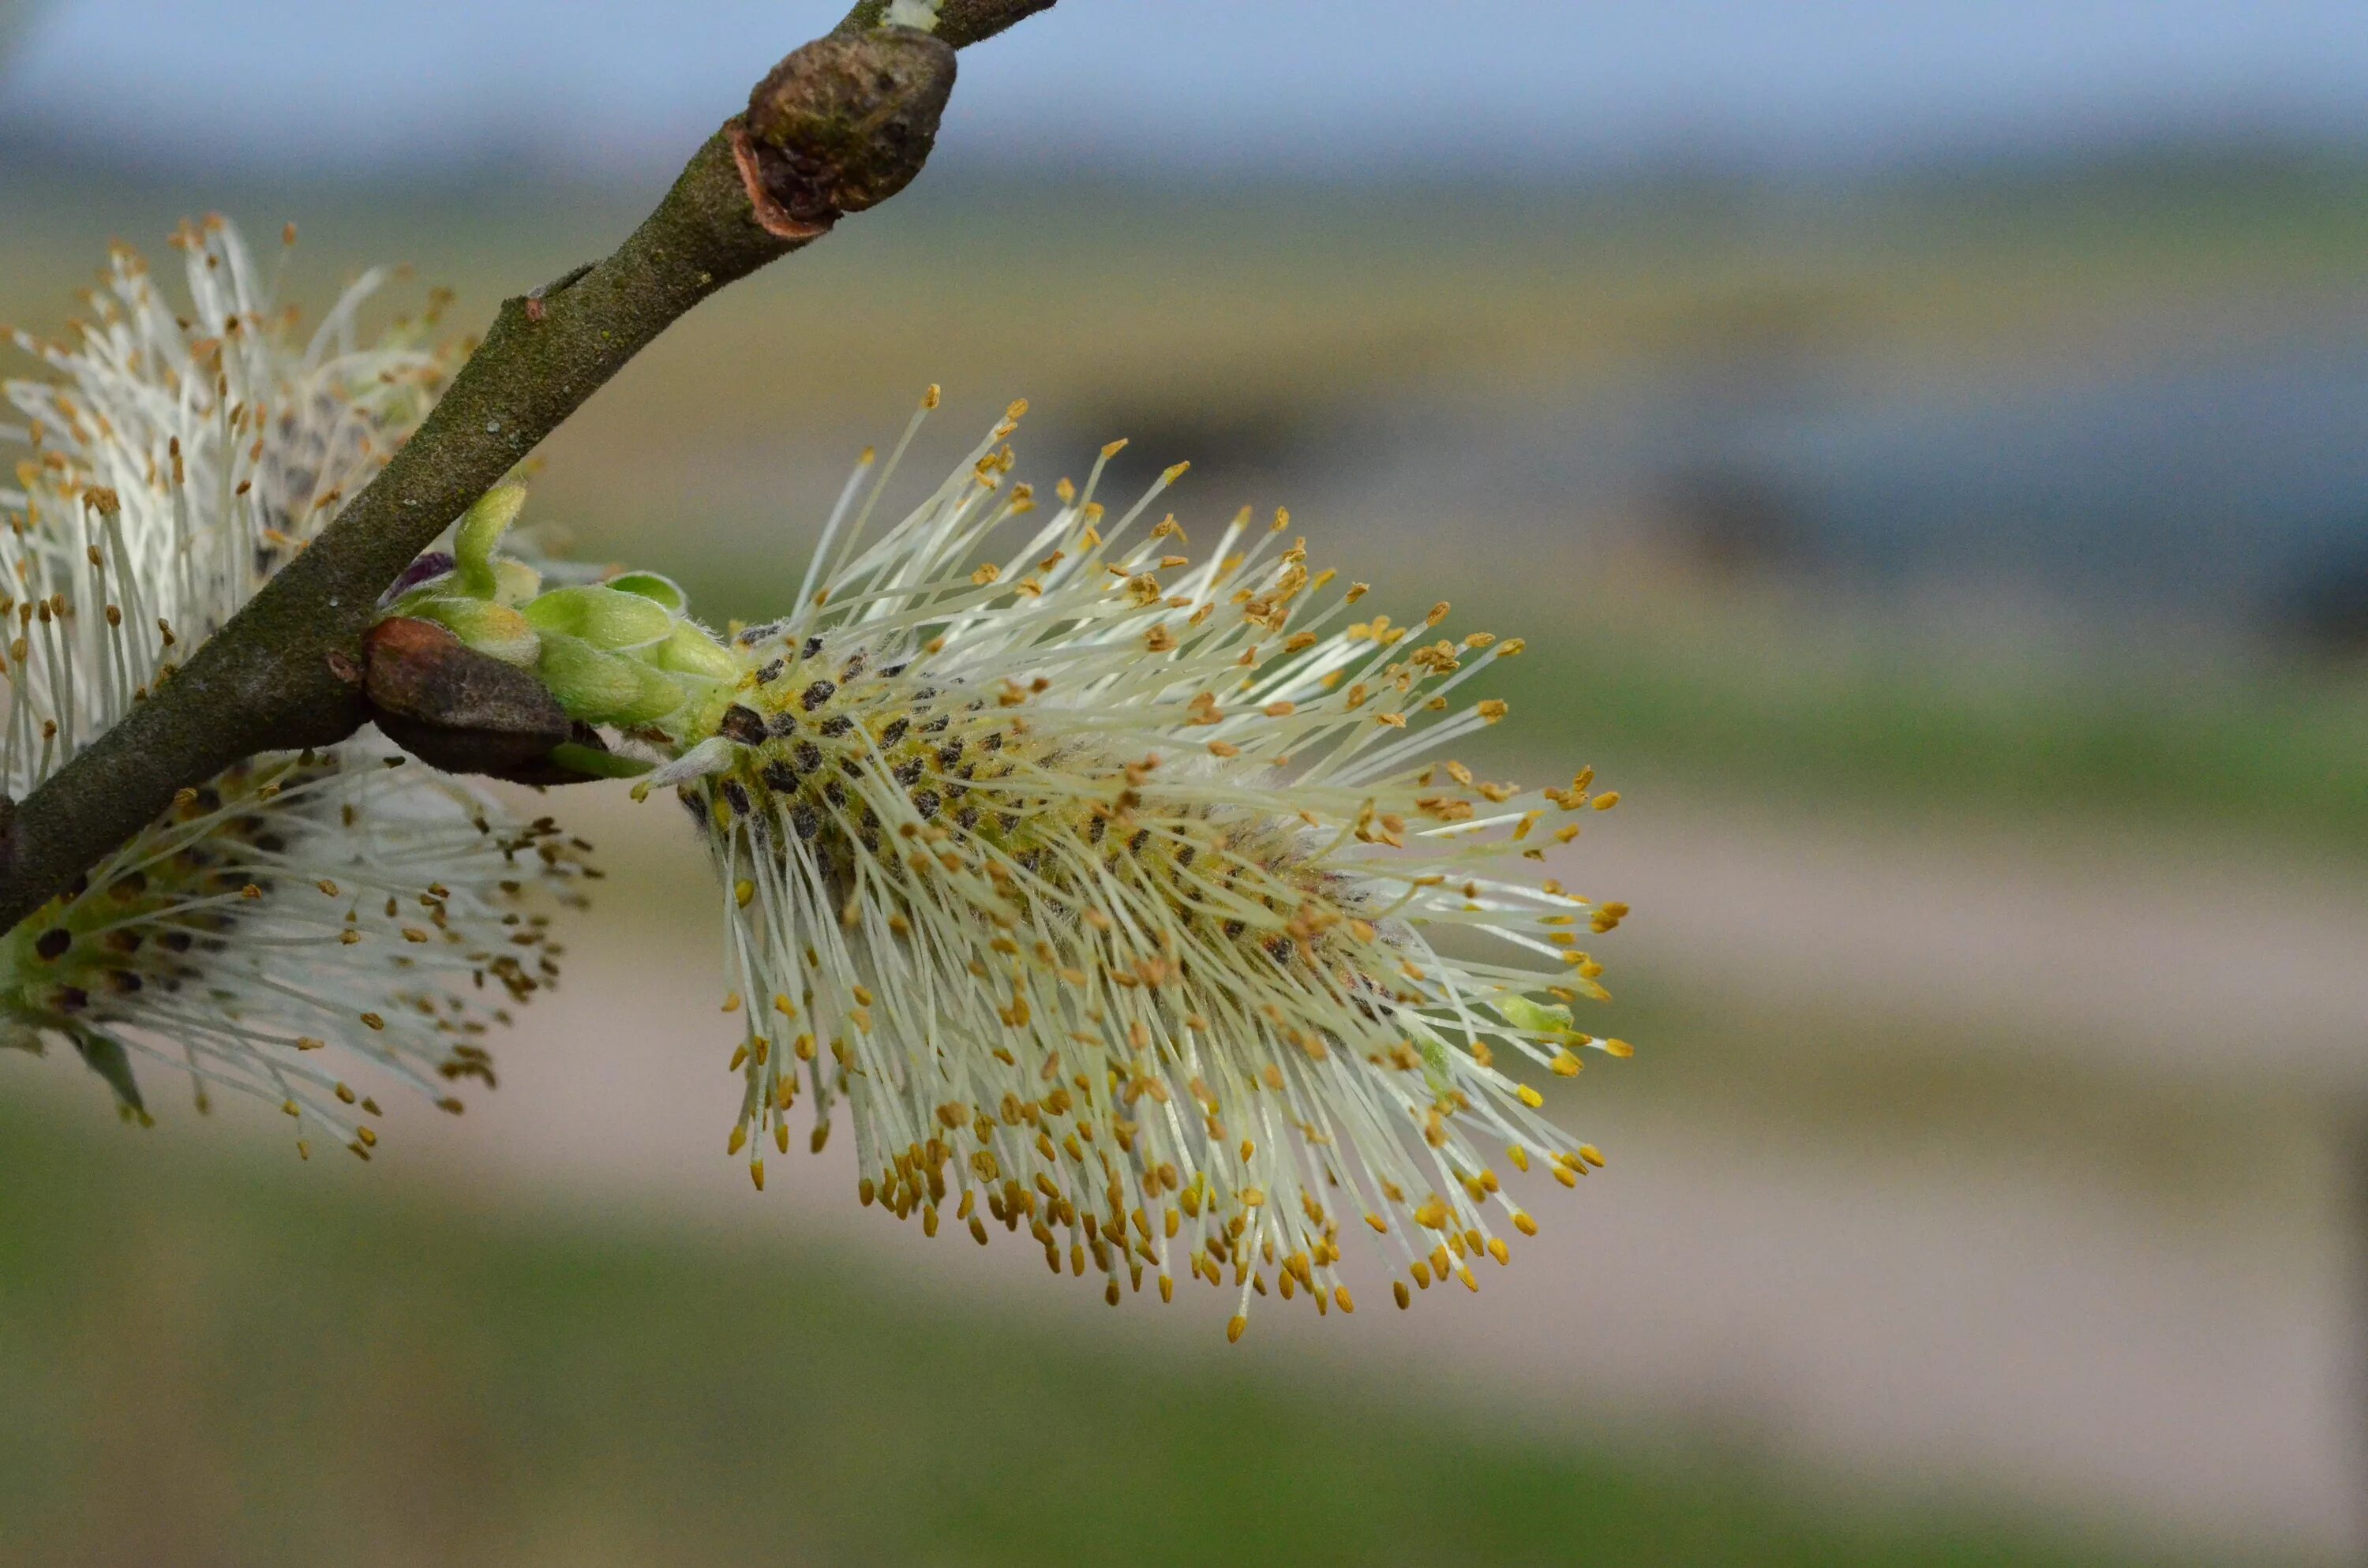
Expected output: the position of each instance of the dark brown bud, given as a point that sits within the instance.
(842, 124)
(455, 707)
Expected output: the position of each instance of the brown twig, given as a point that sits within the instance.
(839, 125)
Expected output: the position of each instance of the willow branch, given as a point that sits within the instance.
(839, 125)
(959, 22)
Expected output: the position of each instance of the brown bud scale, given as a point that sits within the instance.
(455, 707)
(841, 124)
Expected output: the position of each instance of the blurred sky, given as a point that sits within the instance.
(1313, 85)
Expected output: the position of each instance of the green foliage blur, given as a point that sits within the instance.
(209, 1361)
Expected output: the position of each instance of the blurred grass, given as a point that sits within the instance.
(1839, 715)
(1888, 1077)
(207, 1361)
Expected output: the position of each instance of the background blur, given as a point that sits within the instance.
(1924, 445)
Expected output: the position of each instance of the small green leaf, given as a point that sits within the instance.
(690, 651)
(601, 616)
(481, 529)
(602, 687)
(494, 629)
(515, 581)
(658, 589)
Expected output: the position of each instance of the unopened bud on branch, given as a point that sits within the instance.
(842, 124)
(453, 706)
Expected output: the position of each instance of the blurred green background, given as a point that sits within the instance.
(1959, 561)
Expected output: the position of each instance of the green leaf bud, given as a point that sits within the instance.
(654, 587)
(491, 629)
(600, 687)
(602, 616)
(515, 582)
(691, 651)
(481, 529)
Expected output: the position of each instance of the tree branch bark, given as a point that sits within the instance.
(959, 22)
(285, 672)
